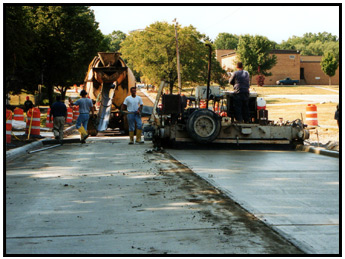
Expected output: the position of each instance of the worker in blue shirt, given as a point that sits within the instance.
(240, 81)
(85, 105)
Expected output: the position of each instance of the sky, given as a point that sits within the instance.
(277, 23)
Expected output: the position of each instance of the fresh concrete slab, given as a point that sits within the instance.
(108, 197)
(295, 193)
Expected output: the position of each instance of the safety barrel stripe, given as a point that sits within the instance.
(34, 119)
(311, 119)
(311, 112)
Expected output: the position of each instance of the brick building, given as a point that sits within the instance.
(290, 63)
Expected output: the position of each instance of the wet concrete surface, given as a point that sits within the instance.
(106, 197)
(295, 193)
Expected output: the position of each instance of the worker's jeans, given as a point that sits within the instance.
(241, 106)
(58, 126)
(134, 118)
(83, 119)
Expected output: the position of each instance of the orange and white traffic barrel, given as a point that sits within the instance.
(75, 112)
(8, 125)
(49, 123)
(33, 122)
(202, 104)
(311, 115)
(18, 114)
(216, 107)
(69, 115)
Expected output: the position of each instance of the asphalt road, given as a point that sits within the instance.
(106, 197)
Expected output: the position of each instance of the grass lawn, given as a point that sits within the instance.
(299, 90)
(325, 113)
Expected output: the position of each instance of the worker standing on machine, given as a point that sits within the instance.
(85, 105)
(134, 105)
(240, 81)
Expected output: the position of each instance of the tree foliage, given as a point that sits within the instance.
(113, 41)
(19, 38)
(152, 52)
(226, 41)
(254, 53)
(313, 44)
(329, 65)
(63, 41)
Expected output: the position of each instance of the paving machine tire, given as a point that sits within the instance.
(203, 126)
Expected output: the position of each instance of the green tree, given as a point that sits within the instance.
(19, 40)
(226, 41)
(313, 44)
(332, 47)
(329, 65)
(113, 40)
(254, 53)
(152, 52)
(67, 38)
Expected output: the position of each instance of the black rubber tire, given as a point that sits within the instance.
(203, 125)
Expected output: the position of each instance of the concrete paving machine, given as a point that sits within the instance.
(191, 119)
(108, 82)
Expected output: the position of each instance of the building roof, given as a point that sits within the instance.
(284, 51)
(275, 51)
(228, 54)
(310, 61)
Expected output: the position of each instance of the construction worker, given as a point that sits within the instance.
(134, 105)
(85, 105)
(59, 112)
(240, 81)
(336, 115)
(28, 104)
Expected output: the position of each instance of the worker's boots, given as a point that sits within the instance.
(138, 139)
(131, 137)
(83, 134)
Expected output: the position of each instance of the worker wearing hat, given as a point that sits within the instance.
(28, 104)
(85, 105)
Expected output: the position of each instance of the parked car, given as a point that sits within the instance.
(287, 81)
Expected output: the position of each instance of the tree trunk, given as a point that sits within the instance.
(330, 81)
(171, 87)
(51, 95)
(171, 83)
(63, 93)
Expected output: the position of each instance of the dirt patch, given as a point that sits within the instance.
(325, 138)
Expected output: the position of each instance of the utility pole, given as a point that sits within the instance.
(209, 74)
(178, 59)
